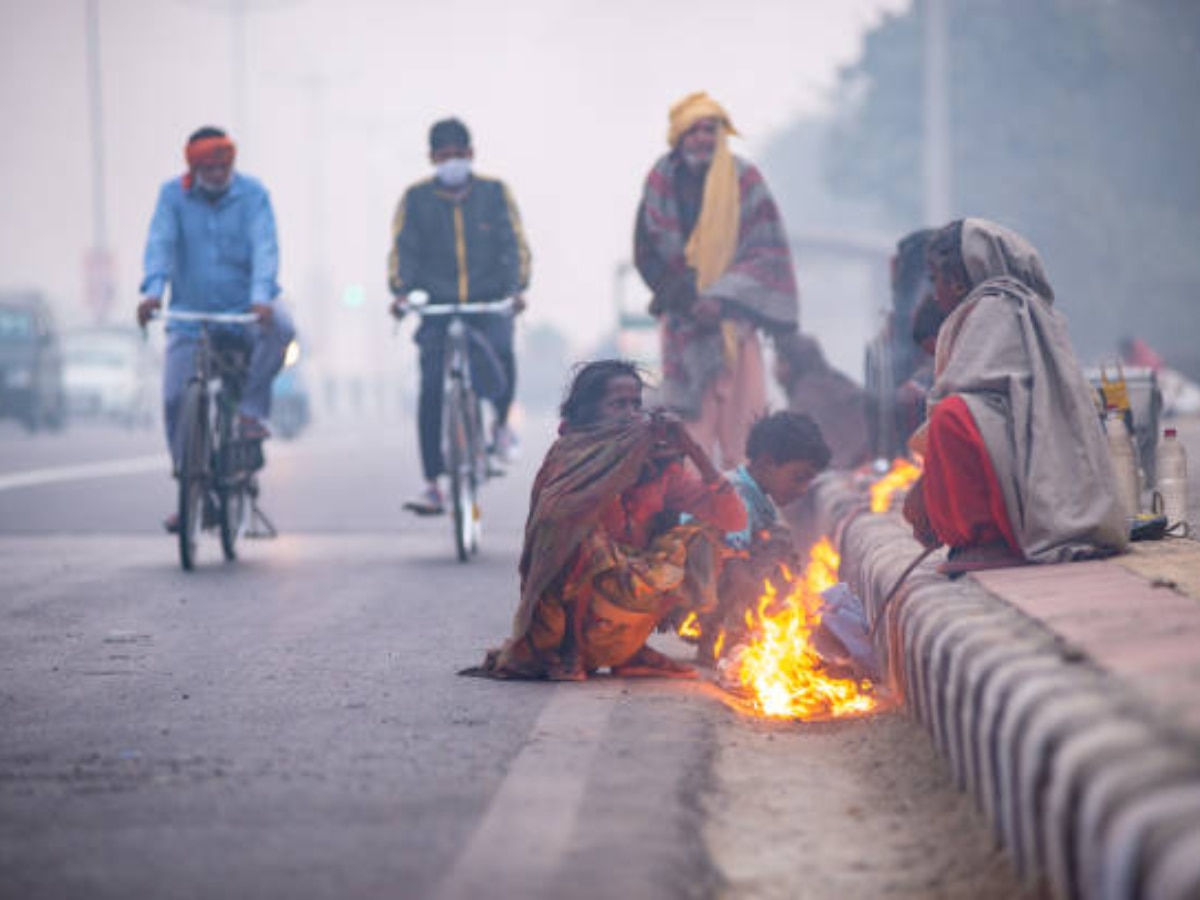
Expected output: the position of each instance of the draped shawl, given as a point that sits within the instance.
(759, 282)
(1005, 351)
(583, 470)
(759, 279)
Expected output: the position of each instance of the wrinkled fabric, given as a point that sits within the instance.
(963, 498)
(594, 542)
(1006, 353)
(621, 593)
(758, 284)
(593, 478)
(583, 470)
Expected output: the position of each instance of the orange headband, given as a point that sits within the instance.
(210, 151)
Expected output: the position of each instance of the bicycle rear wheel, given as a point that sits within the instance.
(193, 471)
(232, 502)
(459, 455)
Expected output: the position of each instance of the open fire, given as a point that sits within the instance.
(779, 670)
(895, 481)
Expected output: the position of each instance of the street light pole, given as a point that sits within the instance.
(239, 12)
(237, 44)
(96, 118)
(936, 159)
(98, 274)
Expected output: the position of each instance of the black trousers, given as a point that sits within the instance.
(493, 373)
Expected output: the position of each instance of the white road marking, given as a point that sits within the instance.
(521, 839)
(134, 465)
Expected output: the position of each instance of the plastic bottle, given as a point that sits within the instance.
(1120, 449)
(1170, 463)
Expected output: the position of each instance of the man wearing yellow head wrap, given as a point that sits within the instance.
(710, 244)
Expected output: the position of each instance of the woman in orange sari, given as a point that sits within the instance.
(604, 557)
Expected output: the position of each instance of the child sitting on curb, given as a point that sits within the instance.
(785, 452)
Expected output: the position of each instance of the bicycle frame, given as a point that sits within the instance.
(216, 470)
(463, 447)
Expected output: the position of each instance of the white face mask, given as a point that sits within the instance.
(453, 172)
(213, 188)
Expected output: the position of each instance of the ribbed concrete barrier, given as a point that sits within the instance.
(1065, 699)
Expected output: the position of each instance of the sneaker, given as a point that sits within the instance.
(252, 429)
(504, 444)
(171, 524)
(427, 503)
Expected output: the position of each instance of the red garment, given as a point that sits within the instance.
(962, 495)
(210, 151)
(630, 516)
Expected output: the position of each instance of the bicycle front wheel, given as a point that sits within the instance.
(193, 471)
(235, 516)
(460, 460)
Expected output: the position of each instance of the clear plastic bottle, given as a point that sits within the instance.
(1170, 490)
(1120, 449)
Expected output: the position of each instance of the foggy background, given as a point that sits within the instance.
(1070, 120)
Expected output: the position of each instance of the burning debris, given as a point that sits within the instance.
(778, 668)
(894, 482)
(804, 651)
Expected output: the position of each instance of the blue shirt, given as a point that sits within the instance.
(218, 255)
(761, 512)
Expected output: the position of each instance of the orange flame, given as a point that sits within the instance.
(779, 668)
(899, 476)
(690, 627)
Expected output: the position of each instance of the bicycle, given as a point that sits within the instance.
(464, 449)
(217, 468)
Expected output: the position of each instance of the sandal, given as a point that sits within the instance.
(978, 558)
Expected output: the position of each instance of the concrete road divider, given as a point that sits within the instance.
(1065, 699)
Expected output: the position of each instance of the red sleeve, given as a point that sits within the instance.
(715, 503)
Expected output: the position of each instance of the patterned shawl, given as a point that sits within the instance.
(582, 472)
(1005, 351)
(760, 280)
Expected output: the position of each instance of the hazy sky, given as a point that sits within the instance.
(567, 102)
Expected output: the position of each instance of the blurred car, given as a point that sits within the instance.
(289, 397)
(110, 374)
(31, 386)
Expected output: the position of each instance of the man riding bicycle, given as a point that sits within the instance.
(212, 239)
(458, 237)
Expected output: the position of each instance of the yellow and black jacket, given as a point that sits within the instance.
(458, 246)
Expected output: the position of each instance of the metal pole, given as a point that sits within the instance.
(239, 13)
(237, 43)
(96, 116)
(936, 161)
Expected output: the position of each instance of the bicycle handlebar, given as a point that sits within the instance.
(225, 318)
(462, 309)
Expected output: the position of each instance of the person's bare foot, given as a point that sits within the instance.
(568, 667)
(649, 663)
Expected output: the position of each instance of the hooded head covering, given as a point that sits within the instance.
(1006, 353)
(993, 251)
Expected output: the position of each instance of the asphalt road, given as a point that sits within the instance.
(292, 725)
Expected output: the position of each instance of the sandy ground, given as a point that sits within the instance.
(846, 810)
